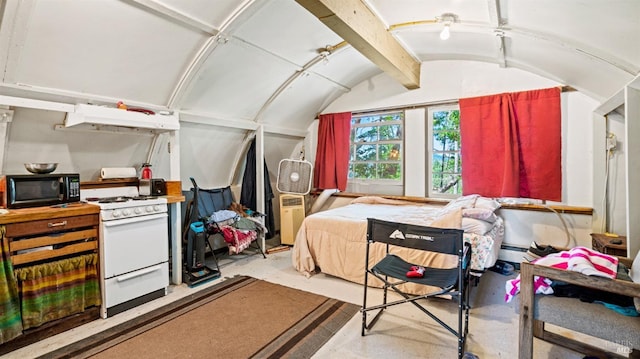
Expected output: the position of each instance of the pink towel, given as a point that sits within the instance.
(578, 259)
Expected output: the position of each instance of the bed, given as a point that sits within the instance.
(334, 241)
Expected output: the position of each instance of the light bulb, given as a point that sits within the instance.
(445, 32)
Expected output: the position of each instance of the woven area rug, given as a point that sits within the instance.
(241, 317)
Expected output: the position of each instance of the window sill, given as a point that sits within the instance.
(443, 201)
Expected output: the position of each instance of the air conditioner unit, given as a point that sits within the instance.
(291, 217)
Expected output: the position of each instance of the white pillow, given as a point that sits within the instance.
(476, 226)
(489, 203)
(484, 214)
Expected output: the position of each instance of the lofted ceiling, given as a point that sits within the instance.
(273, 62)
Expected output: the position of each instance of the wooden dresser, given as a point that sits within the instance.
(42, 234)
(607, 244)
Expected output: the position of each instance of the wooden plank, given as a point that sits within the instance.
(52, 240)
(525, 345)
(41, 213)
(359, 26)
(622, 287)
(18, 259)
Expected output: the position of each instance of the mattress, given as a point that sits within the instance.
(334, 241)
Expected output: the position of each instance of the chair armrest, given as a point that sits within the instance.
(622, 287)
(626, 261)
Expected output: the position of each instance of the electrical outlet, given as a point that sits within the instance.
(612, 142)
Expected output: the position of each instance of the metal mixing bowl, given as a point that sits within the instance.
(41, 168)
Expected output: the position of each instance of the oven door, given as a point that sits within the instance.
(133, 243)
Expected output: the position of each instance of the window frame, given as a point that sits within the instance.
(377, 181)
(430, 151)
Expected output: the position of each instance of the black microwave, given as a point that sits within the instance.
(35, 190)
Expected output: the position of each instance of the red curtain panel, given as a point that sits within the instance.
(332, 156)
(511, 145)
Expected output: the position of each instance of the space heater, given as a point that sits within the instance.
(293, 183)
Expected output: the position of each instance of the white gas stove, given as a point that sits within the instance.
(134, 247)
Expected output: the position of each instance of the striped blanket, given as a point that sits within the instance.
(10, 319)
(578, 259)
(57, 289)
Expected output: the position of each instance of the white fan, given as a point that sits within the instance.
(294, 181)
(294, 176)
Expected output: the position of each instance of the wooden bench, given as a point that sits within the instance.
(593, 319)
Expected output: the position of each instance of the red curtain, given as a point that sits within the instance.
(511, 145)
(332, 156)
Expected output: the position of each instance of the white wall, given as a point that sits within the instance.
(450, 80)
(32, 138)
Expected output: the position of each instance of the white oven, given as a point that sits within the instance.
(134, 251)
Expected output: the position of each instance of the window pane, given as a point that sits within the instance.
(352, 155)
(391, 117)
(389, 171)
(446, 183)
(390, 152)
(446, 141)
(390, 132)
(366, 134)
(365, 152)
(446, 162)
(446, 120)
(364, 170)
(366, 119)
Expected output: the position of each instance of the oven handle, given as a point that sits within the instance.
(139, 273)
(117, 222)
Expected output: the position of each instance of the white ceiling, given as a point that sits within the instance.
(261, 60)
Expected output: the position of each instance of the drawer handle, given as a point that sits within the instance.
(59, 224)
(139, 273)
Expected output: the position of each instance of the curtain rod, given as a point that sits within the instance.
(565, 88)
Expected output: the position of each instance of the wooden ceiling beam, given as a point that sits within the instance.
(359, 26)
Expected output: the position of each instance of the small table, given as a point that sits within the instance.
(602, 243)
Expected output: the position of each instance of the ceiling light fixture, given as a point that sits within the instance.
(445, 33)
(447, 19)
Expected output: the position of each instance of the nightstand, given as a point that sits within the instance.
(602, 243)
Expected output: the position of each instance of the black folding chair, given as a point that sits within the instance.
(392, 271)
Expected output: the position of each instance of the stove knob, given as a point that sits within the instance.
(137, 210)
(115, 213)
(156, 208)
(148, 209)
(126, 212)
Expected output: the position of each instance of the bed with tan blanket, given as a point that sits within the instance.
(334, 241)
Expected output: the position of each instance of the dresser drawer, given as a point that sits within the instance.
(602, 243)
(22, 229)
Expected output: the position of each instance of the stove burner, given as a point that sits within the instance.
(113, 199)
(142, 198)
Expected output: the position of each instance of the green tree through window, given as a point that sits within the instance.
(376, 147)
(446, 163)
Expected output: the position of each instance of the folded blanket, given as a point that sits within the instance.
(578, 259)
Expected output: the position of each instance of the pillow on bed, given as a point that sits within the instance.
(476, 226)
(484, 214)
(468, 201)
(488, 203)
(450, 219)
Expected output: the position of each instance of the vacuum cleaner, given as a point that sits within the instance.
(196, 272)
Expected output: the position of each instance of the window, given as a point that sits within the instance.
(376, 148)
(445, 168)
